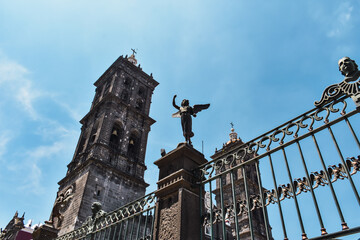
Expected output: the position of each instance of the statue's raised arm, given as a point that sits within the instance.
(174, 104)
(185, 112)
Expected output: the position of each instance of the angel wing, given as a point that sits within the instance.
(176, 115)
(198, 107)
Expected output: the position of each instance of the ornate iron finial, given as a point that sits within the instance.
(349, 86)
(232, 125)
(186, 112)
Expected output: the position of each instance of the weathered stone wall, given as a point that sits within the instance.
(70, 214)
(103, 170)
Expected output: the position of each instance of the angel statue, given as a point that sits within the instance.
(185, 112)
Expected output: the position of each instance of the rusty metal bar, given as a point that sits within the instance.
(121, 229)
(222, 207)
(344, 164)
(211, 213)
(352, 131)
(323, 229)
(234, 205)
(201, 207)
(294, 196)
(132, 227)
(126, 227)
(152, 225)
(343, 223)
(145, 227)
(263, 207)
(248, 203)
(115, 231)
(277, 198)
(138, 228)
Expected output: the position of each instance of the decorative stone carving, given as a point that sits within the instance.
(62, 203)
(349, 86)
(168, 226)
(97, 214)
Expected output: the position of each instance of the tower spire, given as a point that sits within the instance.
(132, 58)
(233, 135)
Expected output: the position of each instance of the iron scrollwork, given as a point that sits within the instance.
(349, 86)
(280, 135)
(104, 220)
(284, 191)
(333, 95)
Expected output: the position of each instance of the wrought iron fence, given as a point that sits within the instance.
(298, 180)
(134, 221)
(269, 187)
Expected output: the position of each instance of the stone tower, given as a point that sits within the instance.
(239, 189)
(108, 164)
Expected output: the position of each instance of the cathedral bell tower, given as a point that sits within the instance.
(108, 164)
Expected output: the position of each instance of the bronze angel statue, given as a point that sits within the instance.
(185, 112)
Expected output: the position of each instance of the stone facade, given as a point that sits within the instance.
(108, 165)
(240, 195)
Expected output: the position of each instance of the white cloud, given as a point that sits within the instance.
(30, 166)
(32, 181)
(4, 139)
(343, 20)
(26, 162)
(46, 151)
(14, 81)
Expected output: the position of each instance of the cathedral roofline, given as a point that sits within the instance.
(138, 69)
(230, 145)
(226, 149)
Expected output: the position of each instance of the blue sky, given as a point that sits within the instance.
(258, 63)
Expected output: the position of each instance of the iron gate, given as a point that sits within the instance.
(299, 180)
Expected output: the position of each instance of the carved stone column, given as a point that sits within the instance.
(177, 213)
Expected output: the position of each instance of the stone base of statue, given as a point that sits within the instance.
(45, 232)
(177, 213)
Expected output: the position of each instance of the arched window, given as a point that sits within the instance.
(82, 142)
(115, 136)
(97, 94)
(141, 91)
(125, 96)
(94, 133)
(107, 86)
(139, 104)
(134, 146)
(127, 82)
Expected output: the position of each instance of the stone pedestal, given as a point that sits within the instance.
(177, 215)
(45, 232)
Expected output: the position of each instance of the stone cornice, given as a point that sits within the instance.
(122, 61)
(174, 181)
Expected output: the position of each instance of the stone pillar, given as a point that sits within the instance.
(177, 215)
(45, 232)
